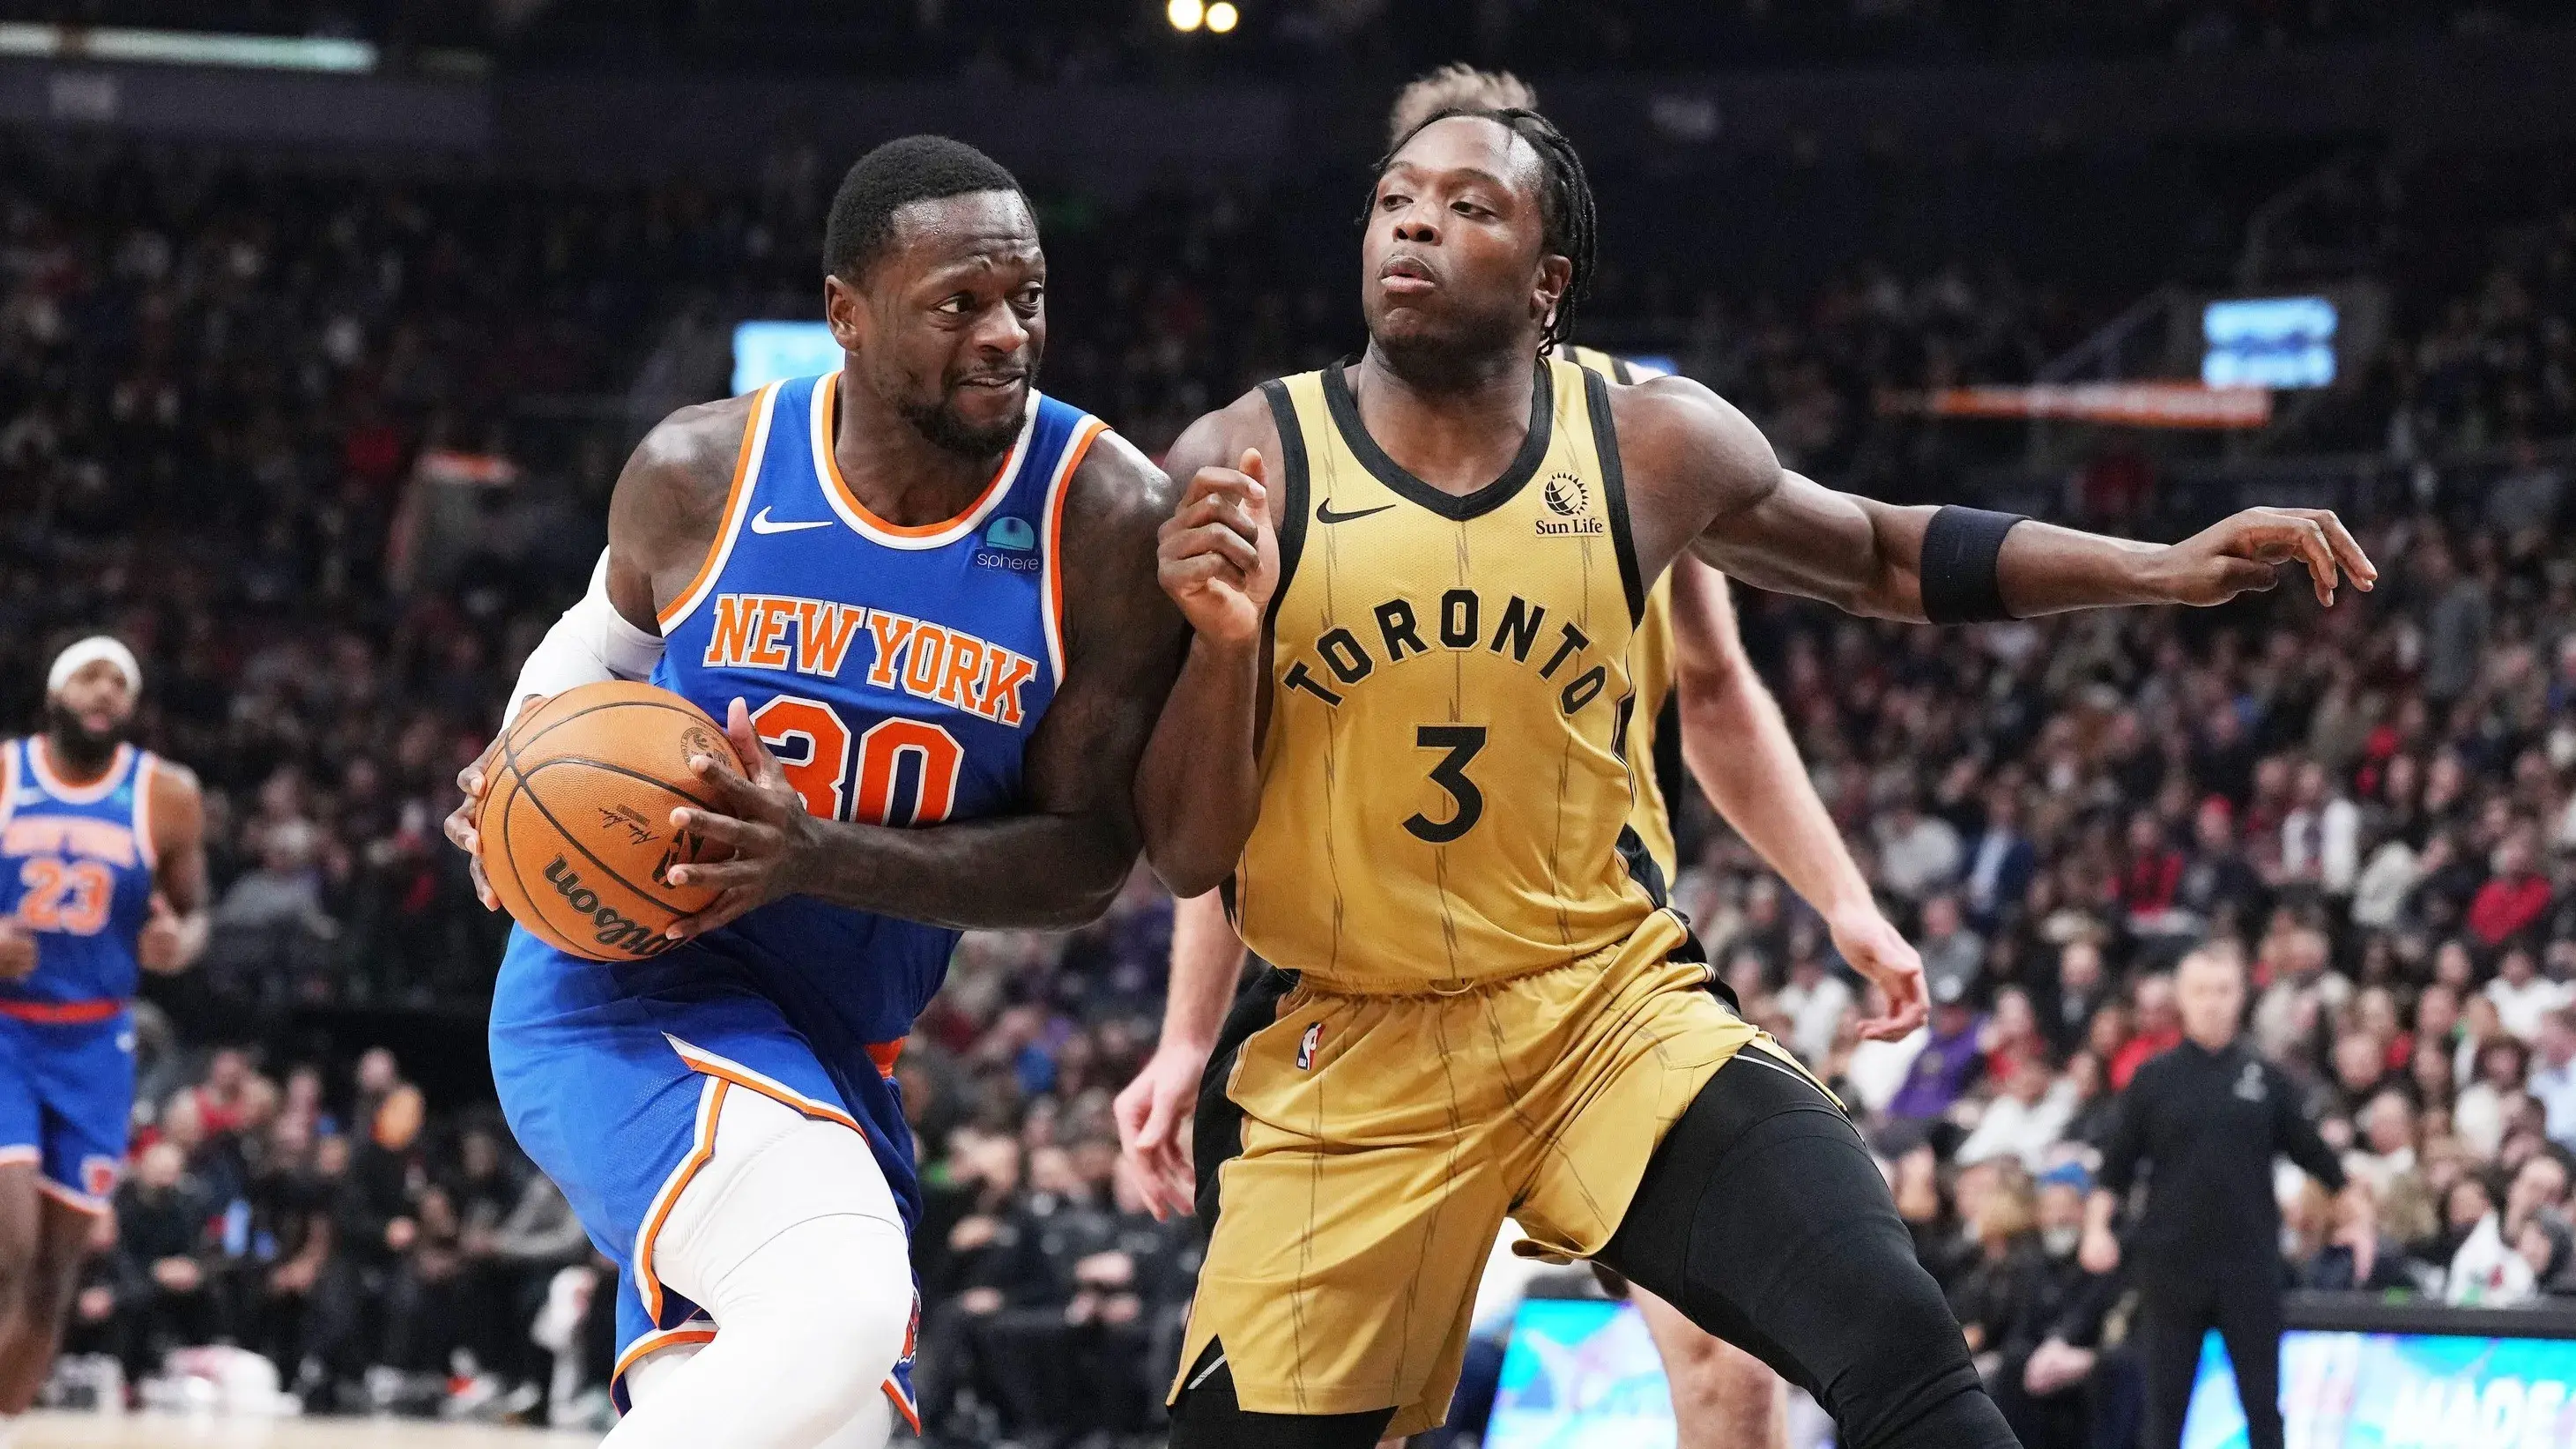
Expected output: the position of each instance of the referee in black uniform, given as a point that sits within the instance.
(2206, 1119)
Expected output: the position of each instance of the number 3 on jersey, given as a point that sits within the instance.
(845, 777)
(1462, 742)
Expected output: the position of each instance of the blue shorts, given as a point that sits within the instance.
(610, 1076)
(66, 1096)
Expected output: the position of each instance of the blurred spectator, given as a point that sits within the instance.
(1952, 953)
(2489, 1269)
(2321, 836)
(2513, 898)
(2357, 1256)
(2026, 1120)
(2001, 861)
(1816, 1001)
(2159, 1030)
(1917, 853)
(2522, 996)
(2552, 1081)
(1949, 1060)
(167, 1299)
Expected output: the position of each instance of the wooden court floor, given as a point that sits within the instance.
(147, 1431)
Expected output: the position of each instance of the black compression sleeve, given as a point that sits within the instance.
(1960, 551)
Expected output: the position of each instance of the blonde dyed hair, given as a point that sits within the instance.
(1456, 86)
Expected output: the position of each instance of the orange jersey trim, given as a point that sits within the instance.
(707, 1063)
(827, 407)
(1059, 489)
(658, 1339)
(729, 524)
(144, 771)
(61, 1013)
(90, 794)
(77, 1201)
(648, 1284)
(885, 1054)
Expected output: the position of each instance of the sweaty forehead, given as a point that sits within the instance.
(975, 228)
(1470, 143)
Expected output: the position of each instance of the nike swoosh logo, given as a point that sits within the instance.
(760, 524)
(1324, 512)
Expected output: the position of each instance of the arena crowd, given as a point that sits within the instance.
(221, 399)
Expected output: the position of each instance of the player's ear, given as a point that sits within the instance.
(1555, 273)
(845, 312)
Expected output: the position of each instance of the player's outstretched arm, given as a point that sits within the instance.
(1739, 749)
(1061, 860)
(662, 518)
(175, 935)
(1698, 457)
(1198, 790)
(1155, 1109)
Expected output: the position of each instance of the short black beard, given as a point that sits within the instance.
(944, 431)
(76, 748)
(1462, 361)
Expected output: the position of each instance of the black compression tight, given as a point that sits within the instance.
(1206, 1416)
(1764, 1218)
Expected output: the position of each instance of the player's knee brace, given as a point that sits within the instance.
(789, 1238)
(842, 1286)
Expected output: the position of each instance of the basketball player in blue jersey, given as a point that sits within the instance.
(922, 597)
(102, 877)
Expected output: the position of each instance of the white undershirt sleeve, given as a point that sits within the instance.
(592, 642)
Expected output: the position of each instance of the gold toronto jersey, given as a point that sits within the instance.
(1446, 788)
(1651, 660)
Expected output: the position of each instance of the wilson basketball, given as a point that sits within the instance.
(576, 821)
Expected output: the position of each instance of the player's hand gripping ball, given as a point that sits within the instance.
(574, 825)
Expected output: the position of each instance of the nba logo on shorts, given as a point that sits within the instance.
(1306, 1045)
(98, 1176)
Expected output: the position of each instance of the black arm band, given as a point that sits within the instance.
(1960, 550)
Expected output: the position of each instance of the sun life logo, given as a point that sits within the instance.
(1567, 497)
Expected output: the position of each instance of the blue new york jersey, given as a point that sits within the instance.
(897, 674)
(76, 872)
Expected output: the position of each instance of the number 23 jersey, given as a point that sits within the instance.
(1445, 792)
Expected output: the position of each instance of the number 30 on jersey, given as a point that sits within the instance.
(845, 776)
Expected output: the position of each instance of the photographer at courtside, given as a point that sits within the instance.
(2206, 1119)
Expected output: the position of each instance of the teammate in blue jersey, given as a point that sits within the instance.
(102, 877)
(922, 596)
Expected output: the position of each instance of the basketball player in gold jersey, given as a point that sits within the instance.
(1738, 747)
(1397, 741)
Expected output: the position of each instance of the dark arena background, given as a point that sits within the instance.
(325, 329)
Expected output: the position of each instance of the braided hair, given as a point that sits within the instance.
(1569, 221)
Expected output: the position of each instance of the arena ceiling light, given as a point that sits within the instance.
(1222, 17)
(187, 47)
(1186, 15)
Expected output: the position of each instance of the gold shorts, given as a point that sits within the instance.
(1386, 1138)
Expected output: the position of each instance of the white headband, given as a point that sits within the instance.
(89, 651)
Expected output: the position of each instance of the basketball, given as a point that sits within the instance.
(576, 821)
